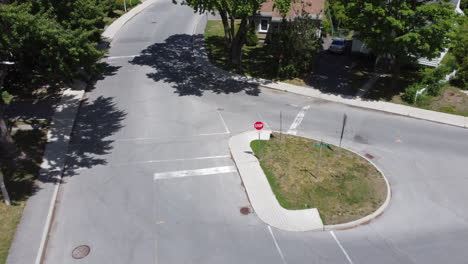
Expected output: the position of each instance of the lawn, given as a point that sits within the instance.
(451, 100)
(19, 182)
(256, 61)
(346, 188)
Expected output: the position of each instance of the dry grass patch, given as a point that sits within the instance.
(347, 187)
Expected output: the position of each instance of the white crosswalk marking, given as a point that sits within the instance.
(298, 120)
(191, 173)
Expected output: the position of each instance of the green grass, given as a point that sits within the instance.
(451, 101)
(347, 187)
(19, 182)
(256, 61)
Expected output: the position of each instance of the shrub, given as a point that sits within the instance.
(461, 78)
(423, 100)
(251, 38)
(410, 92)
(289, 71)
(448, 109)
(434, 89)
(297, 43)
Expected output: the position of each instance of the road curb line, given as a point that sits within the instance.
(402, 110)
(112, 29)
(348, 225)
(372, 216)
(58, 179)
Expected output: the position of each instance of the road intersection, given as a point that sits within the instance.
(150, 177)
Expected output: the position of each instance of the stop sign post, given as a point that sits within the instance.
(259, 126)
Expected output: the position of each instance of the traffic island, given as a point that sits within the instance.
(305, 173)
(349, 190)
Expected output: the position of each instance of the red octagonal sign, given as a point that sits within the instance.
(258, 125)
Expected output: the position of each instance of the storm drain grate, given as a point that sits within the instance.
(81, 251)
(245, 210)
(369, 156)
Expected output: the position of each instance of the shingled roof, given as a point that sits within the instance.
(312, 7)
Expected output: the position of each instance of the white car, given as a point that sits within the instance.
(337, 46)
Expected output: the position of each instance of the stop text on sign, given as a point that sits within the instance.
(258, 125)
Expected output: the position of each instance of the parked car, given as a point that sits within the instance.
(338, 45)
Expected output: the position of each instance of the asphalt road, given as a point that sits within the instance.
(157, 113)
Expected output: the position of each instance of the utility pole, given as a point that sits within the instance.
(125, 5)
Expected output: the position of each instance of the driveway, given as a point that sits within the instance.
(332, 72)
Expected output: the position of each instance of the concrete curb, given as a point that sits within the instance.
(259, 191)
(371, 216)
(113, 28)
(266, 213)
(201, 58)
(31, 236)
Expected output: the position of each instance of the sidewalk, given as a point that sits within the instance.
(201, 60)
(259, 191)
(31, 234)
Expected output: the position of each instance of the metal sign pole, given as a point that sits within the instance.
(281, 123)
(345, 117)
(259, 146)
(318, 161)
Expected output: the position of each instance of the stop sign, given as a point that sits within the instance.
(258, 125)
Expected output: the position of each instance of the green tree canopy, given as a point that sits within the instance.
(403, 28)
(229, 10)
(460, 51)
(296, 45)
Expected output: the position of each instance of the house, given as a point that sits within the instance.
(436, 61)
(268, 18)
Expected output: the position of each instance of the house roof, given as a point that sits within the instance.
(312, 7)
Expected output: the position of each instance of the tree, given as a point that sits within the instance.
(460, 51)
(403, 29)
(230, 10)
(41, 49)
(296, 45)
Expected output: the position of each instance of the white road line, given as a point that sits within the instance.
(167, 138)
(342, 248)
(276, 245)
(213, 134)
(298, 120)
(171, 160)
(264, 121)
(191, 173)
(224, 123)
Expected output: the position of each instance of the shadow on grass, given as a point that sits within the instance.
(173, 62)
(20, 179)
(384, 91)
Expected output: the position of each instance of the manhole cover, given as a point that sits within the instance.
(369, 156)
(80, 252)
(245, 210)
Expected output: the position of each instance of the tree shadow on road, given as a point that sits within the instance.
(96, 121)
(174, 63)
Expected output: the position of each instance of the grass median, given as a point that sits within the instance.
(346, 188)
